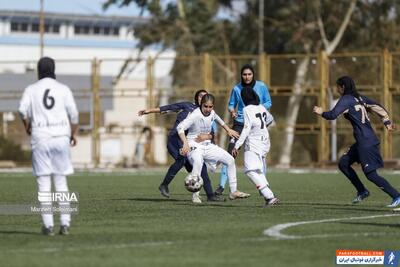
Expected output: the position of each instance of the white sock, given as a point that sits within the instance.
(196, 195)
(231, 171)
(60, 184)
(261, 183)
(44, 185)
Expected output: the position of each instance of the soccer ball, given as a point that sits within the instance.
(193, 183)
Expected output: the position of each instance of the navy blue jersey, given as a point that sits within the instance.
(183, 109)
(356, 113)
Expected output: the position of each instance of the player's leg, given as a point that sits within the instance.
(238, 127)
(345, 163)
(215, 154)
(371, 160)
(62, 166)
(61, 185)
(195, 158)
(254, 165)
(173, 149)
(44, 186)
(386, 187)
(41, 165)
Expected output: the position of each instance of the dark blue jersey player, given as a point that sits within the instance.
(365, 151)
(175, 143)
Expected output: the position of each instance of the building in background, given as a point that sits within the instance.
(74, 39)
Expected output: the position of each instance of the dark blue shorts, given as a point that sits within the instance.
(369, 157)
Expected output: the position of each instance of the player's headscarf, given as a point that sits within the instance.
(46, 68)
(349, 87)
(196, 96)
(253, 81)
(249, 96)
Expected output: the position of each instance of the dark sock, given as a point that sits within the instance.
(382, 183)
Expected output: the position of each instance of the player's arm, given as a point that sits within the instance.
(340, 107)
(73, 115)
(181, 128)
(378, 109)
(243, 135)
(23, 110)
(266, 98)
(164, 109)
(232, 103)
(229, 131)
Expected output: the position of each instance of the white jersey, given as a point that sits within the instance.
(50, 107)
(255, 133)
(196, 123)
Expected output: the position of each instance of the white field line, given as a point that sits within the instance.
(276, 231)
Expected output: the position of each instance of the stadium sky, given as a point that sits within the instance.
(94, 7)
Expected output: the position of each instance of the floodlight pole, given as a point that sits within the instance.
(41, 27)
(260, 27)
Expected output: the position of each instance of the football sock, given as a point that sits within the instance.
(382, 183)
(206, 182)
(259, 180)
(60, 184)
(224, 176)
(348, 171)
(44, 185)
(231, 170)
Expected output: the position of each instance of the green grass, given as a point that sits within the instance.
(124, 221)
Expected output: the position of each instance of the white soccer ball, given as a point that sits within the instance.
(193, 183)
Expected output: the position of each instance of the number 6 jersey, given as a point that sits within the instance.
(50, 107)
(255, 133)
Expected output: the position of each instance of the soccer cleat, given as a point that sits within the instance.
(216, 199)
(64, 230)
(360, 197)
(164, 190)
(196, 198)
(271, 202)
(238, 194)
(219, 191)
(395, 203)
(47, 230)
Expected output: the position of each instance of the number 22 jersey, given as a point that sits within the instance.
(50, 107)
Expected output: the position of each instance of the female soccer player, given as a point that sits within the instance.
(200, 122)
(255, 136)
(366, 149)
(248, 79)
(174, 144)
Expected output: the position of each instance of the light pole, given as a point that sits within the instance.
(41, 27)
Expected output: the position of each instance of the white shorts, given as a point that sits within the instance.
(210, 154)
(52, 156)
(253, 161)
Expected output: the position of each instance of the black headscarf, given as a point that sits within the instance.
(46, 68)
(196, 96)
(249, 96)
(349, 86)
(253, 82)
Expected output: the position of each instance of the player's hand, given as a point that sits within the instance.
(184, 150)
(235, 152)
(142, 112)
(73, 141)
(233, 114)
(233, 133)
(203, 137)
(318, 110)
(391, 127)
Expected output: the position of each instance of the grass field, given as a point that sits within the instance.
(124, 221)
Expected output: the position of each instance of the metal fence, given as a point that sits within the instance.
(109, 93)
